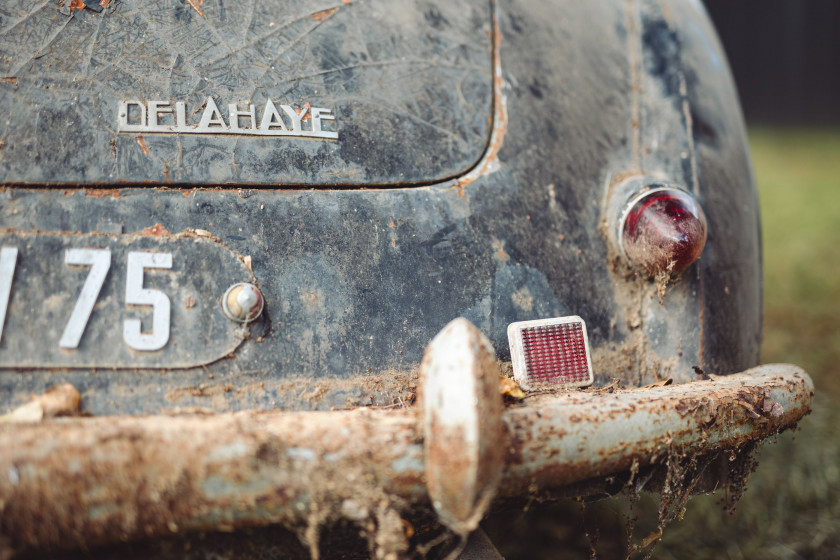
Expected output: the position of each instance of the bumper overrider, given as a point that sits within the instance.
(84, 482)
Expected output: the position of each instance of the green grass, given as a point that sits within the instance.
(798, 174)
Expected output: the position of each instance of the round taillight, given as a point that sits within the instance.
(663, 230)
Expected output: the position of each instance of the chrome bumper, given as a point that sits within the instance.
(75, 482)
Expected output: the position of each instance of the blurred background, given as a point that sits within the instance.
(785, 56)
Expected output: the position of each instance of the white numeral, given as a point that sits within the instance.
(8, 259)
(135, 294)
(100, 262)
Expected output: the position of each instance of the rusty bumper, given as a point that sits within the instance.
(67, 483)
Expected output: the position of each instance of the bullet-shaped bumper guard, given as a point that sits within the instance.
(90, 481)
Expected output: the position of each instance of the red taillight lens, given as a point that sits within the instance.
(663, 231)
(550, 352)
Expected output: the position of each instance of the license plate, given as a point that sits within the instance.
(115, 301)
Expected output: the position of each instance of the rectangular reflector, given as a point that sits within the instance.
(550, 353)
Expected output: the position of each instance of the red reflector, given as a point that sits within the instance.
(550, 352)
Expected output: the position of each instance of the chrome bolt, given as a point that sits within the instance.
(242, 302)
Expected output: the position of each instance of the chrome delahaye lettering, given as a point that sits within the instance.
(164, 117)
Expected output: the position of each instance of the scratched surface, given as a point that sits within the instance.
(357, 281)
(410, 84)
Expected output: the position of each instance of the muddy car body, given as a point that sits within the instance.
(377, 169)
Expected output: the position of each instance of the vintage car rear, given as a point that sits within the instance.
(234, 228)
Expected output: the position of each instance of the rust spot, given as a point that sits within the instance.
(9, 80)
(100, 193)
(305, 111)
(156, 230)
(166, 176)
(460, 184)
(189, 302)
(143, 146)
(324, 14)
(499, 249)
(80, 4)
(686, 406)
(500, 119)
(196, 5)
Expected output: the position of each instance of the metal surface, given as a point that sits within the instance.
(582, 435)
(502, 131)
(99, 261)
(137, 295)
(84, 482)
(361, 280)
(150, 119)
(129, 301)
(409, 85)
